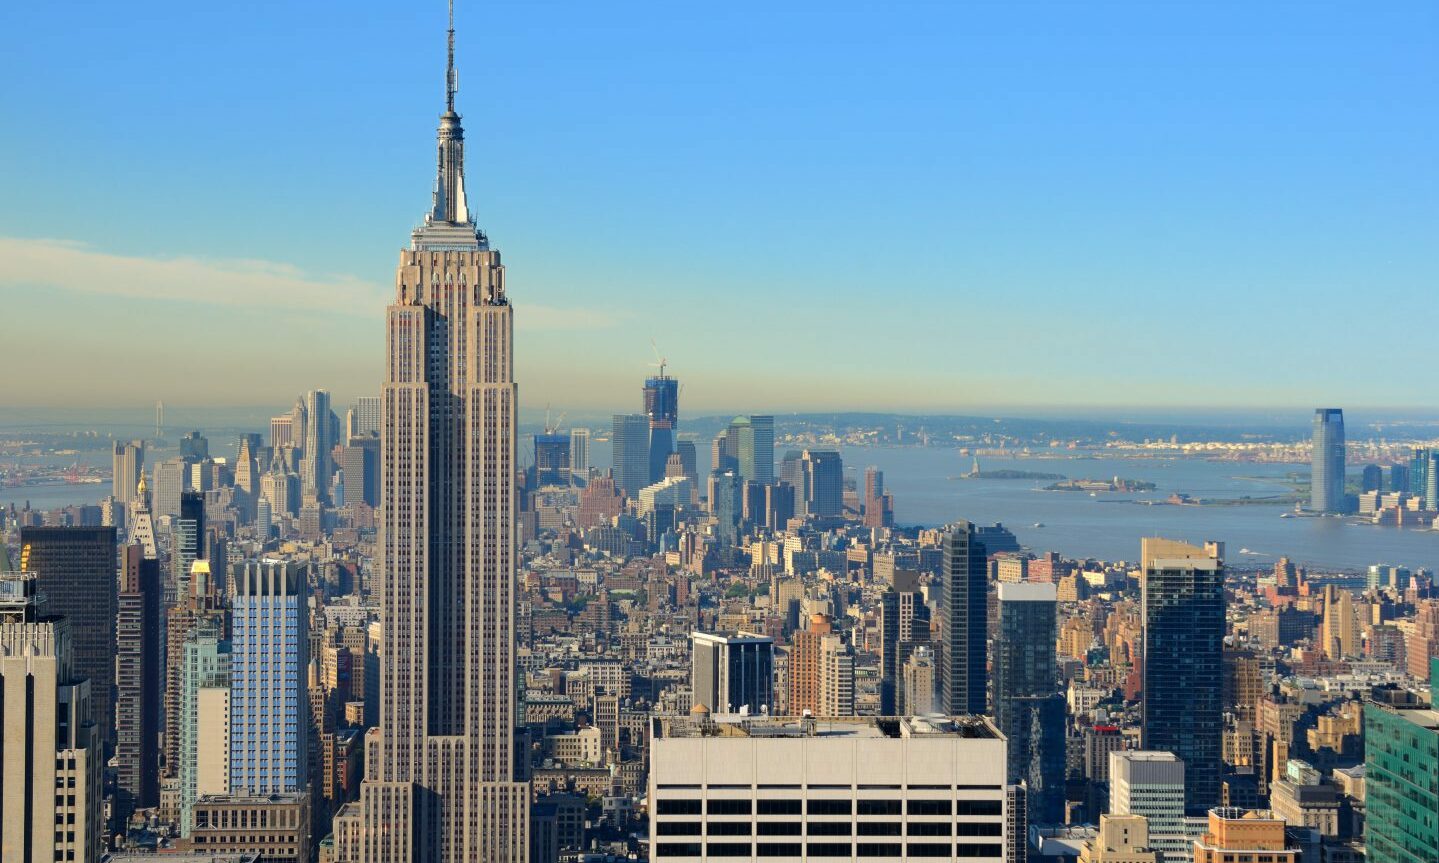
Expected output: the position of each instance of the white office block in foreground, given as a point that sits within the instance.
(750, 788)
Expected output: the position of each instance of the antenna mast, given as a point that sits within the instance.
(451, 84)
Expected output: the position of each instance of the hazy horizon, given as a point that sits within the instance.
(935, 209)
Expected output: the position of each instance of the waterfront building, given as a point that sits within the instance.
(1326, 490)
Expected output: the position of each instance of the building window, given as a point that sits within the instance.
(878, 849)
(975, 849)
(677, 849)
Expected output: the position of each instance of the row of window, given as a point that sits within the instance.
(829, 828)
(829, 849)
(831, 807)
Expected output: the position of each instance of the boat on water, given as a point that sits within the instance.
(1039, 524)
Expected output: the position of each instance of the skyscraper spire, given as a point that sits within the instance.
(451, 82)
(449, 207)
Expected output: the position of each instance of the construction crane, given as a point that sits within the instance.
(551, 429)
(662, 361)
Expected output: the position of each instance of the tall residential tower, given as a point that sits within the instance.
(1326, 485)
(440, 776)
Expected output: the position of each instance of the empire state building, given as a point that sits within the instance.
(439, 782)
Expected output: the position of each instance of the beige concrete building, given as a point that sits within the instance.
(1339, 635)
(212, 757)
(1243, 836)
(440, 768)
(1121, 839)
(276, 826)
(50, 767)
(918, 683)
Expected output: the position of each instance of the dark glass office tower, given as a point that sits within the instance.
(963, 613)
(1326, 490)
(662, 406)
(733, 672)
(1184, 670)
(726, 494)
(629, 443)
(552, 459)
(1027, 706)
(139, 684)
(903, 625)
(75, 570)
(822, 483)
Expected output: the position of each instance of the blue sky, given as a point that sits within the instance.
(912, 206)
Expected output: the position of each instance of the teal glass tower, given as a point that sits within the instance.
(1401, 763)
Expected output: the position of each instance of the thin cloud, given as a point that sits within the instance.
(73, 266)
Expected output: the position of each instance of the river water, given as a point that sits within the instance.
(1109, 526)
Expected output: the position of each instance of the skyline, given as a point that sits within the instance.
(881, 613)
(1029, 179)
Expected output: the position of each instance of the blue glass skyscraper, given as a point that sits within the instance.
(629, 443)
(269, 702)
(1027, 705)
(1326, 489)
(662, 406)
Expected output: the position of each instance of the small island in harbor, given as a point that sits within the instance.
(1096, 485)
(1006, 473)
(1010, 473)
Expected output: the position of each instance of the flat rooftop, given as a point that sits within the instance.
(866, 727)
